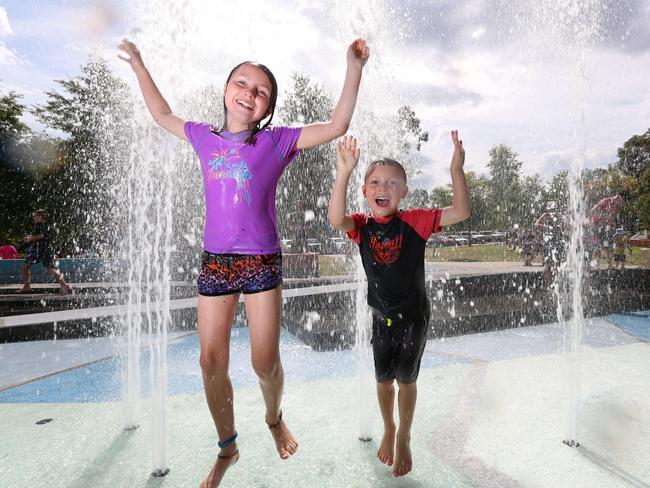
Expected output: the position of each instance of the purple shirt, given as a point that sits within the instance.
(239, 182)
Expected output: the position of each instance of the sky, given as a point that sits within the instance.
(559, 81)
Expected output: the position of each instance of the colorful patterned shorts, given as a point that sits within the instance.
(224, 274)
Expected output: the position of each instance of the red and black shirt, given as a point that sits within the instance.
(392, 252)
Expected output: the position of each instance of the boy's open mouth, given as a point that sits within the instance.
(382, 202)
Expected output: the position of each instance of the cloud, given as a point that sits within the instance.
(7, 56)
(5, 28)
(485, 25)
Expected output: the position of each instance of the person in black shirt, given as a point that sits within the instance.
(392, 244)
(39, 250)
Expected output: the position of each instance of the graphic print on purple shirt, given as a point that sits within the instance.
(228, 164)
(239, 183)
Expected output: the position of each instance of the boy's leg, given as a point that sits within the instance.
(215, 323)
(58, 276)
(407, 369)
(406, 399)
(386, 398)
(263, 311)
(26, 278)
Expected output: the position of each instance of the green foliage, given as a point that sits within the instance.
(417, 198)
(642, 204)
(303, 190)
(505, 187)
(11, 127)
(409, 130)
(634, 156)
(82, 188)
(15, 182)
(558, 190)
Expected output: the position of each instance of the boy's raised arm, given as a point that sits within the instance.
(158, 107)
(321, 133)
(461, 207)
(347, 155)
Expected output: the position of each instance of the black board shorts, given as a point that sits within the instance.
(397, 347)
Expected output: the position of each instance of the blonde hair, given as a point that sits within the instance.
(384, 162)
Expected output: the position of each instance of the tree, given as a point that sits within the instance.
(83, 190)
(634, 156)
(15, 181)
(558, 190)
(410, 131)
(481, 218)
(505, 187)
(303, 190)
(642, 203)
(417, 198)
(12, 129)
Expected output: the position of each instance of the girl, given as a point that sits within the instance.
(242, 162)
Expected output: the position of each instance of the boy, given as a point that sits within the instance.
(39, 250)
(392, 244)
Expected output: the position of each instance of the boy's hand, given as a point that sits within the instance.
(347, 154)
(458, 159)
(358, 53)
(134, 58)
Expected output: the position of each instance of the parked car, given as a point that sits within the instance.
(461, 241)
(478, 238)
(498, 237)
(285, 244)
(314, 245)
(335, 245)
(436, 240)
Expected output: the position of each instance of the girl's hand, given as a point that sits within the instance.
(458, 158)
(347, 154)
(134, 58)
(358, 53)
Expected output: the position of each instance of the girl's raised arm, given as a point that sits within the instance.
(321, 133)
(158, 107)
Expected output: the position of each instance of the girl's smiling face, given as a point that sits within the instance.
(384, 189)
(247, 97)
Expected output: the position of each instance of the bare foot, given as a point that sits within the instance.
(221, 465)
(65, 290)
(284, 441)
(403, 459)
(386, 450)
(24, 290)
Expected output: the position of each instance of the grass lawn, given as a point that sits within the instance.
(476, 253)
(335, 264)
(330, 265)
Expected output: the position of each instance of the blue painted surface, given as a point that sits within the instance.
(635, 323)
(75, 269)
(101, 381)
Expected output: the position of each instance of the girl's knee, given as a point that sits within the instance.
(266, 368)
(214, 362)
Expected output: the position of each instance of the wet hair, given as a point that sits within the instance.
(384, 162)
(41, 212)
(273, 98)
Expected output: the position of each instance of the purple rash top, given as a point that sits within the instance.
(239, 182)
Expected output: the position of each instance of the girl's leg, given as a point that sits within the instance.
(386, 397)
(215, 323)
(406, 399)
(263, 311)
